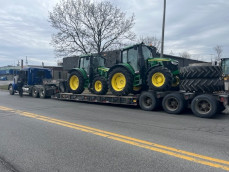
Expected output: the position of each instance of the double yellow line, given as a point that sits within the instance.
(197, 158)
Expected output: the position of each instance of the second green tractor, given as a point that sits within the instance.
(140, 69)
(90, 74)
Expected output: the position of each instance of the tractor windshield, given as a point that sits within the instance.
(225, 66)
(146, 52)
(98, 61)
(85, 63)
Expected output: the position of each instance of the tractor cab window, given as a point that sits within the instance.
(133, 58)
(146, 52)
(98, 61)
(124, 56)
(85, 64)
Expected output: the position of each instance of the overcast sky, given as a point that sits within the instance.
(194, 26)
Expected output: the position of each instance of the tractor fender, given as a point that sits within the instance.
(82, 71)
(123, 65)
(152, 68)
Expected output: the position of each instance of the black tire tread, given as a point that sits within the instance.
(192, 72)
(202, 85)
(80, 89)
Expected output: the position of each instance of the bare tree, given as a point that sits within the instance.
(84, 26)
(218, 49)
(185, 54)
(151, 40)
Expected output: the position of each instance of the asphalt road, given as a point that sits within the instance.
(58, 136)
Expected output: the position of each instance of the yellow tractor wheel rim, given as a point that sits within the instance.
(98, 86)
(74, 82)
(158, 79)
(118, 82)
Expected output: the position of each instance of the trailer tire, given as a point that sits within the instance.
(76, 82)
(35, 92)
(42, 93)
(192, 72)
(148, 101)
(100, 86)
(174, 103)
(202, 85)
(204, 106)
(160, 79)
(120, 81)
(11, 90)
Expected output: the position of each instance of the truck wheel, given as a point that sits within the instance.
(120, 81)
(100, 86)
(148, 101)
(204, 106)
(11, 90)
(76, 82)
(35, 92)
(202, 85)
(192, 72)
(160, 79)
(42, 93)
(174, 103)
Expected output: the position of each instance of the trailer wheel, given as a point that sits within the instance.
(173, 103)
(42, 93)
(11, 90)
(148, 101)
(35, 92)
(120, 81)
(100, 86)
(160, 79)
(76, 82)
(204, 106)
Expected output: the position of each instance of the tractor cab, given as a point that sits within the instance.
(225, 71)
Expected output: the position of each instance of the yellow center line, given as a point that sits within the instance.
(201, 159)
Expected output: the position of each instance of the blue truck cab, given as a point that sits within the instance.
(29, 77)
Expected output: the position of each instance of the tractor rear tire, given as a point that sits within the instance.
(202, 85)
(120, 81)
(100, 86)
(174, 103)
(204, 106)
(148, 101)
(76, 82)
(11, 90)
(35, 92)
(193, 72)
(159, 79)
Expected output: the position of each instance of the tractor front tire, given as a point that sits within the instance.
(76, 82)
(100, 86)
(159, 79)
(120, 81)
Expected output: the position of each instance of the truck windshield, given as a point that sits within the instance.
(146, 52)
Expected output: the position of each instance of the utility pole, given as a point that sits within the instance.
(163, 30)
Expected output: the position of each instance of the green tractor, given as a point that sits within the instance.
(140, 69)
(90, 74)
